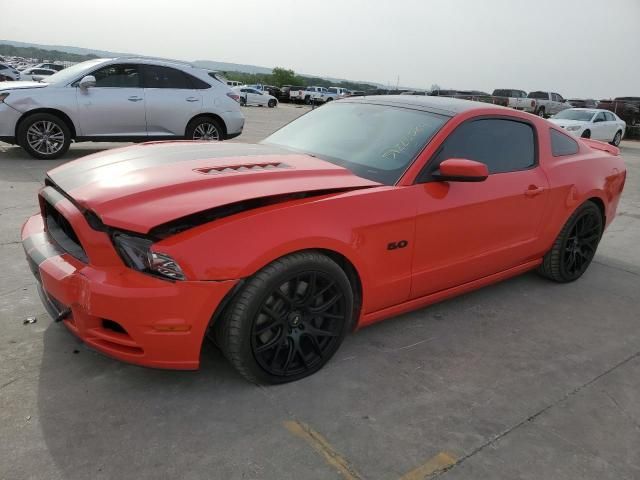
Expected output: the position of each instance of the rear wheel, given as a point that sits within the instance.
(288, 320)
(272, 103)
(44, 136)
(576, 245)
(616, 140)
(204, 129)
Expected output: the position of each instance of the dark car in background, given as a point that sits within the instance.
(285, 92)
(627, 108)
(583, 103)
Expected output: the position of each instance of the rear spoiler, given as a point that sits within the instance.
(598, 145)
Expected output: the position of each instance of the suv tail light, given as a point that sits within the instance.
(234, 96)
(533, 103)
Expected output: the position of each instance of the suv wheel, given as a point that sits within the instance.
(204, 129)
(44, 136)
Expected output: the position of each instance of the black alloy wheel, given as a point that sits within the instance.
(298, 324)
(576, 245)
(289, 319)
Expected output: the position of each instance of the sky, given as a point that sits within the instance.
(578, 48)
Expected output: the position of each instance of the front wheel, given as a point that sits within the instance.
(586, 134)
(575, 247)
(540, 112)
(44, 136)
(288, 320)
(204, 129)
(617, 139)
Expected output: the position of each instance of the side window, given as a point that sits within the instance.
(502, 145)
(599, 117)
(119, 76)
(610, 117)
(165, 77)
(562, 144)
(197, 83)
(554, 97)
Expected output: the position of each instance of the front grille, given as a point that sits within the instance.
(61, 231)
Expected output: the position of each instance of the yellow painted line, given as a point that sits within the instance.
(322, 446)
(434, 465)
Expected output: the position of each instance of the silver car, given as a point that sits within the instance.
(123, 99)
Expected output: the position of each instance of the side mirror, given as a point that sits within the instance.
(87, 82)
(461, 170)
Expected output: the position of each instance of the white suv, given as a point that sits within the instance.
(122, 99)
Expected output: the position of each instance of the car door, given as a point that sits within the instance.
(114, 107)
(171, 100)
(469, 230)
(259, 98)
(599, 127)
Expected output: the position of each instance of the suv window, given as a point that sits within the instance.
(156, 76)
(502, 145)
(121, 76)
(562, 144)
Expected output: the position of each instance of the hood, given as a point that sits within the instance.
(565, 123)
(21, 85)
(139, 187)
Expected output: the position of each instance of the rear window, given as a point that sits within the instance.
(539, 95)
(562, 144)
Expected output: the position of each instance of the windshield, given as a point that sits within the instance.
(70, 74)
(571, 114)
(373, 141)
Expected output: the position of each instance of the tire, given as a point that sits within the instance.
(575, 246)
(329, 100)
(204, 129)
(617, 139)
(271, 336)
(540, 112)
(586, 134)
(44, 135)
(307, 100)
(272, 103)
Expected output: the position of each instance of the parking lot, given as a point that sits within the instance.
(523, 379)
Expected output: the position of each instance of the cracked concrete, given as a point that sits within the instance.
(525, 379)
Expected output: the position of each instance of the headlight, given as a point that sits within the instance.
(136, 253)
(573, 128)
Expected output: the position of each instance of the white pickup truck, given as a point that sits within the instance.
(309, 95)
(516, 99)
(548, 103)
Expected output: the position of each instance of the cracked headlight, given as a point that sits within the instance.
(136, 253)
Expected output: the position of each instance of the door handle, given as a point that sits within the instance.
(533, 191)
(192, 99)
(134, 99)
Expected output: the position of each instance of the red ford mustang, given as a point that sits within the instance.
(360, 210)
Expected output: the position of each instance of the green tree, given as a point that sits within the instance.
(282, 76)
